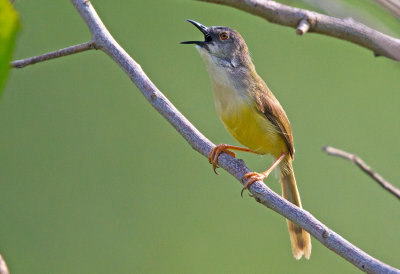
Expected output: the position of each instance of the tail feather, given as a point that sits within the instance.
(300, 239)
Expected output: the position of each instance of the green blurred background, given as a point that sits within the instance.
(93, 180)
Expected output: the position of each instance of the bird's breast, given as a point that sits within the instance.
(236, 107)
(242, 119)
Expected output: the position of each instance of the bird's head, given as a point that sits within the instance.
(222, 45)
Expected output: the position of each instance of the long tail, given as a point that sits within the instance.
(300, 239)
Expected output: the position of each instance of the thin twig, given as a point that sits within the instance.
(200, 143)
(364, 167)
(52, 55)
(349, 30)
(303, 27)
(393, 6)
(3, 266)
(344, 9)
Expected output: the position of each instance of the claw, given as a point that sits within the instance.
(211, 155)
(249, 175)
(212, 159)
(254, 176)
(215, 168)
(241, 192)
(214, 154)
(216, 151)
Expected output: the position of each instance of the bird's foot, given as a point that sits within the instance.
(252, 177)
(215, 152)
(255, 176)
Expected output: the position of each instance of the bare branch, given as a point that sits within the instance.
(3, 266)
(364, 167)
(345, 29)
(344, 9)
(393, 6)
(51, 55)
(103, 40)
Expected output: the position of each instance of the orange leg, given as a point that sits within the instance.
(216, 151)
(254, 176)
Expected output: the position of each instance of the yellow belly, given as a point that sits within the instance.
(239, 114)
(253, 130)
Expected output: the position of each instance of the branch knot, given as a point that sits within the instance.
(306, 24)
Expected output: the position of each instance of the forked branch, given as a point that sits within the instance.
(305, 20)
(237, 168)
(364, 167)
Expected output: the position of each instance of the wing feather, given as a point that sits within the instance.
(273, 111)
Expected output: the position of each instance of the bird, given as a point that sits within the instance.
(251, 114)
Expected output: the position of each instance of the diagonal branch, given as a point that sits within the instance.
(103, 40)
(52, 55)
(364, 167)
(345, 29)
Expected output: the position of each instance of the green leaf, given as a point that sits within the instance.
(9, 25)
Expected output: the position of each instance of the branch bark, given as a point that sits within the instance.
(103, 40)
(3, 266)
(364, 167)
(345, 29)
(51, 55)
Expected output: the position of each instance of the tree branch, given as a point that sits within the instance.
(52, 55)
(3, 266)
(103, 40)
(345, 29)
(364, 167)
(393, 6)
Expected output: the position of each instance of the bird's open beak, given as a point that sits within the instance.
(203, 29)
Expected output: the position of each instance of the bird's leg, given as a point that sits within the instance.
(216, 151)
(254, 176)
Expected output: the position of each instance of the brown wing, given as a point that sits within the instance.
(272, 109)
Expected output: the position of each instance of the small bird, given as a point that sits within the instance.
(251, 114)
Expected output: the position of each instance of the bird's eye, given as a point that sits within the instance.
(223, 36)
